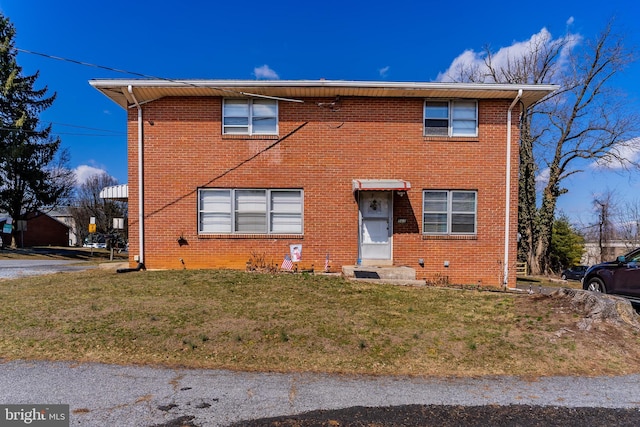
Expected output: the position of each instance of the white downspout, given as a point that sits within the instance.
(140, 178)
(507, 212)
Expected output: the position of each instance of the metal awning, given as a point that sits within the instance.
(381, 184)
(116, 192)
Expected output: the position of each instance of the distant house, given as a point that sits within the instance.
(423, 175)
(41, 230)
(63, 214)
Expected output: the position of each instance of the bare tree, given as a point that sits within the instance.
(605, 205)
(89, 204)
(584, 121)
(629, 223)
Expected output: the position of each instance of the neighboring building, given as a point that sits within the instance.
(382, 173)
(610, 251)
(41, 230)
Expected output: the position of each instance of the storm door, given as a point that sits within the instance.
(376, 221)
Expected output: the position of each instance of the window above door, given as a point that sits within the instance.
(451, 118)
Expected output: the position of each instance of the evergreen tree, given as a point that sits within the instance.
(33, 170)
(567, 246)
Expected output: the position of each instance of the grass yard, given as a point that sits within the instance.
(259, 322)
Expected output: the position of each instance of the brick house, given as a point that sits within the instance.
(40, 229)
(423, 175)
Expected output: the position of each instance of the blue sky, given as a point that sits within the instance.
(342, 40)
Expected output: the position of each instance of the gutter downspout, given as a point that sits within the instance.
(140, 177)
(507, 222)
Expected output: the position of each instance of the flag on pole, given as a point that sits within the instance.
(287, 264)
(326, 263)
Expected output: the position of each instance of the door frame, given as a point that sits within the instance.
(385, 261)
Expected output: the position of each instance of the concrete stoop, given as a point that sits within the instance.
(392, 275)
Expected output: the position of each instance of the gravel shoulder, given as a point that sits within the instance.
(101, 395)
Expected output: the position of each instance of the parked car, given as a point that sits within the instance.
(574, 273)
(619, 277)
(96, 240)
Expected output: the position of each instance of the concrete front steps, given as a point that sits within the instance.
(392, 275)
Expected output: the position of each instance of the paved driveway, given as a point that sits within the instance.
(140, 396)
(14, 268)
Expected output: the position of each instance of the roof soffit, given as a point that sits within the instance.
(148, 90)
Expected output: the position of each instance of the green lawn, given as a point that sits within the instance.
(287, 322)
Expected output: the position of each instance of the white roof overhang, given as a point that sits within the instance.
(149, 90)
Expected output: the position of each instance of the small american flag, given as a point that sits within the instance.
(326, 263)
(287, 264)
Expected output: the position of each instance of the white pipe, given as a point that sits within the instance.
(140, 177)
(507, 213)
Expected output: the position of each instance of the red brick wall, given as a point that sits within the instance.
(322, 151)
(42, 230)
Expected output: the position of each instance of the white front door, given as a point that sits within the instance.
(376, 222)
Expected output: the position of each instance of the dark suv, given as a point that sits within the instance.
(574, 273)
(619, 277)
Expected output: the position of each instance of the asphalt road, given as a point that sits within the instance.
(15, 268)
(102, 395)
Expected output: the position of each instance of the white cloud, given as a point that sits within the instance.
(472, 60)
(620, 157)
(84, 172)
(265, 72)
(384, 71)
(570, 21)
(542, 179)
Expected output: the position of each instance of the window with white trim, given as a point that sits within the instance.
(251, 211)
(448, 212)
(250, 116)
(450, 118)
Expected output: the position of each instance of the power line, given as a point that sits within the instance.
(86, 134)
(88, 64)
(148, 76)
(88, 128)
(2, 128)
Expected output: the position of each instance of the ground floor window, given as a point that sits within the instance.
(449, 212)
(254, 211)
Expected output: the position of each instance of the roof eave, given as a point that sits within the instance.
(147, 90)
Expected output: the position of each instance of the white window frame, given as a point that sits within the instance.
(251, 117)
(452, 117)
(225, 215)
(450, 213)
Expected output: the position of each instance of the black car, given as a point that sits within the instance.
(574, 273)
(619, 277)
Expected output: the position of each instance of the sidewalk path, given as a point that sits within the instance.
(102, 395)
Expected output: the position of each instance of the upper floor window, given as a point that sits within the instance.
(449, 212)
(253, 211)
(250, 116)
(451, 118)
